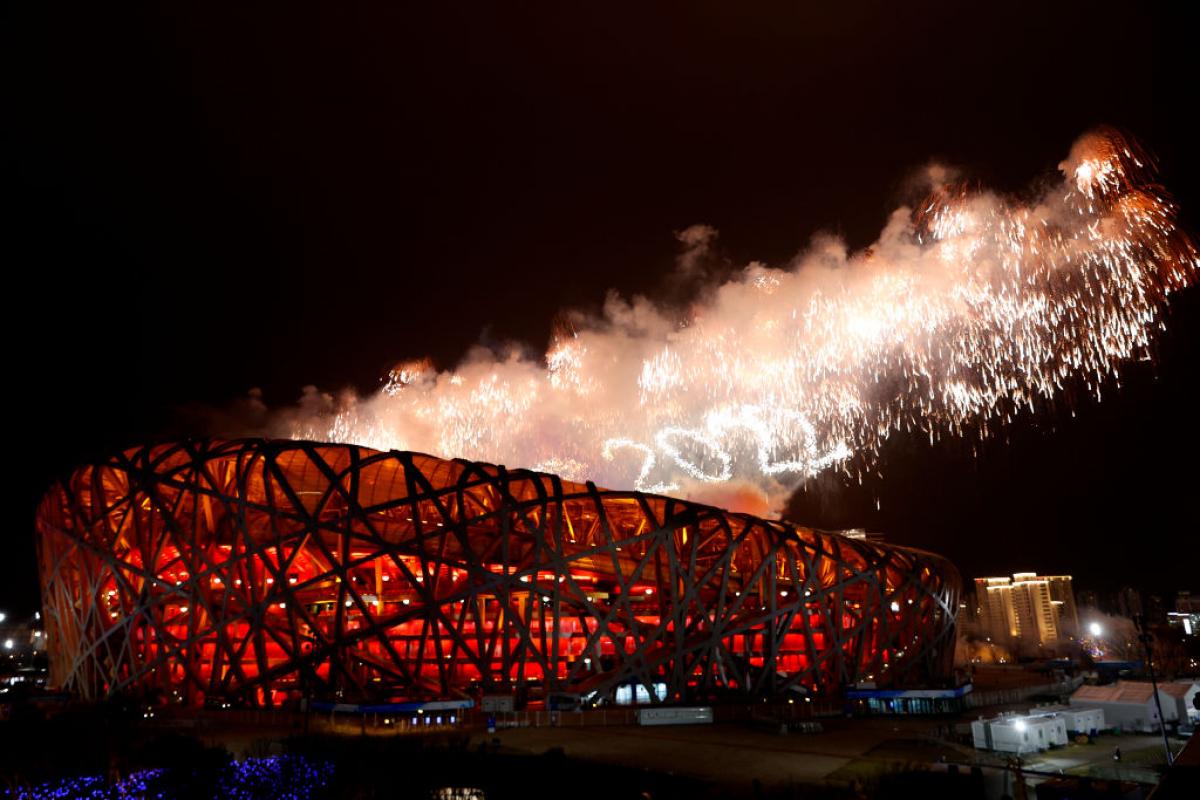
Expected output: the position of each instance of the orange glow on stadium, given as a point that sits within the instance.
(267, 571)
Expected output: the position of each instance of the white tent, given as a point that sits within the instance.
(1127, 705)
(1183, 695)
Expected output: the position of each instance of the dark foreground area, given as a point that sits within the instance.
(86, 753)
(97, 756)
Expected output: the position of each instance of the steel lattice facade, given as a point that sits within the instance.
(263, 571)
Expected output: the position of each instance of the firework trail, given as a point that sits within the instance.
(965, 312)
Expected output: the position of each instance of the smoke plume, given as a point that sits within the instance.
(967, 309)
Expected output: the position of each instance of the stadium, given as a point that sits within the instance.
(263, 572)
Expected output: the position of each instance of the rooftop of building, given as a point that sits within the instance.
(1119, 692)
(1022, 576)
(1178, 688)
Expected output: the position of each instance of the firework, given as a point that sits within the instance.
(965, 312)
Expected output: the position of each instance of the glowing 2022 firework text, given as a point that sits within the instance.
(965, 311)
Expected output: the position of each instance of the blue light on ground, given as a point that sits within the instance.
(273, 778)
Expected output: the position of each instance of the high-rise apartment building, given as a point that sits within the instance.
(997, 612)
(1063, 598)
(1037, 619)
(1027, 608)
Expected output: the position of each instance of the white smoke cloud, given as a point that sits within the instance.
(699, 244)
(962, 313)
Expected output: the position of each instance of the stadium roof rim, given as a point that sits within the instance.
(237, 443)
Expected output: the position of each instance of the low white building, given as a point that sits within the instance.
(1020, 733)
(1183, 697)
(1127, 705)
(1079, 719)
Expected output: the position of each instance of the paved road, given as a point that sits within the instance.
(731, 753)
(735, 754)
(1098, 757)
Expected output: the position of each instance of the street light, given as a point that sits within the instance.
(1095, 630)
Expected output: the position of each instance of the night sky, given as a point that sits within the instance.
(205, 200)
